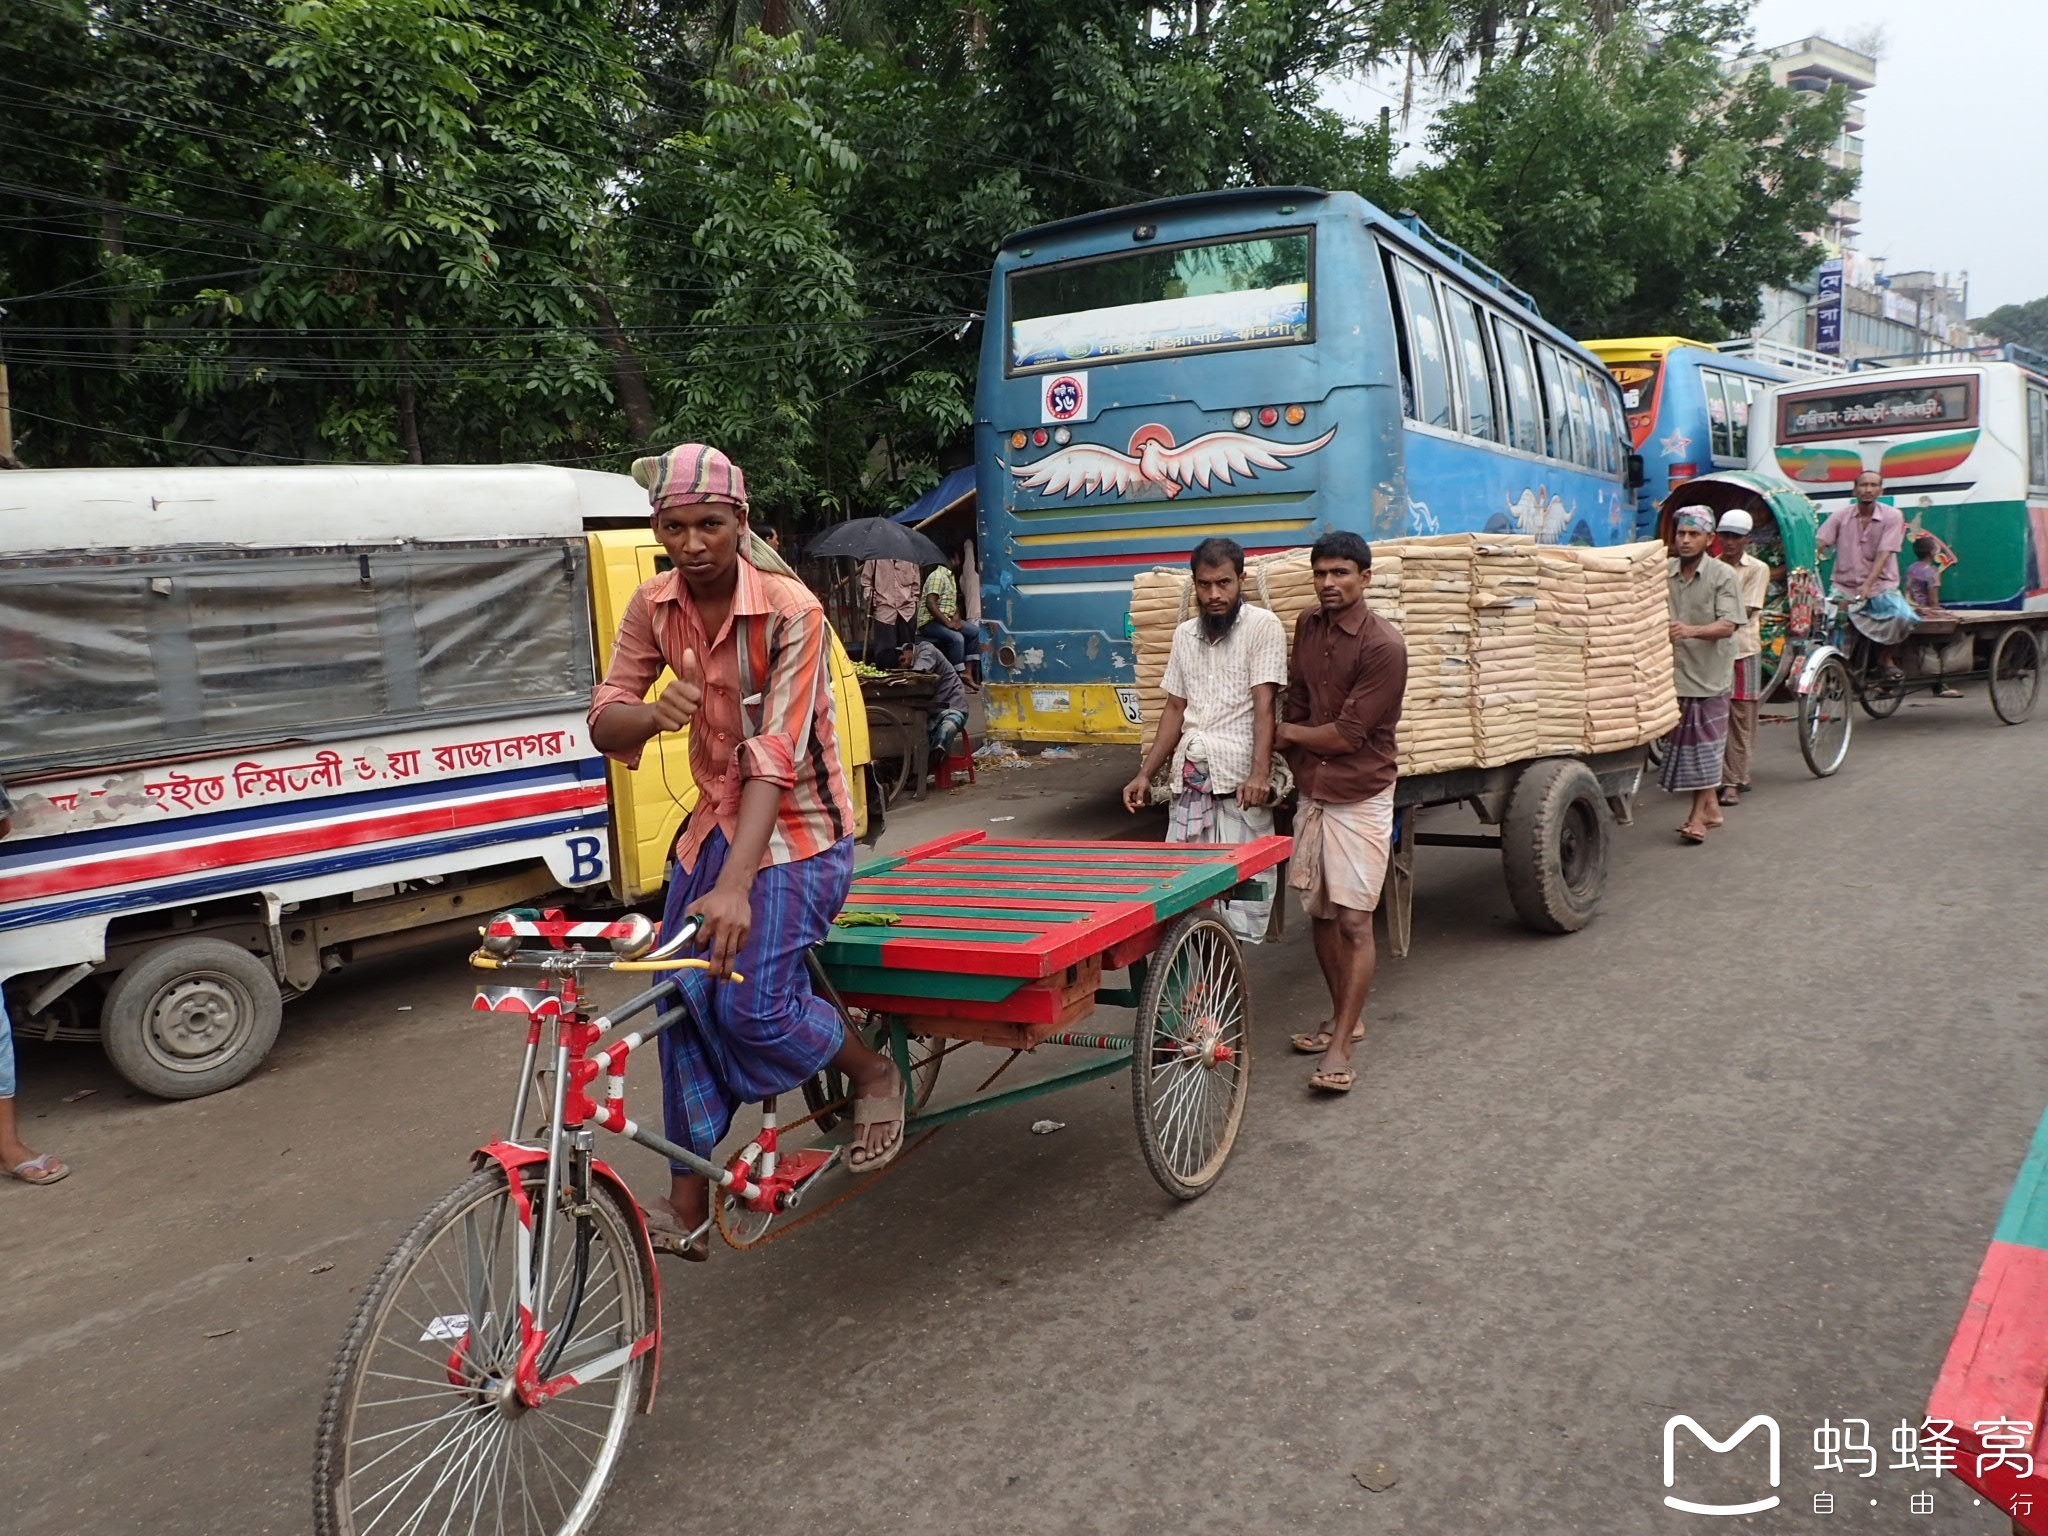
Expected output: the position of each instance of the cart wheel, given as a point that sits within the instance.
(1191, 1058)
(1824, 718)
(1554, 841)
(2015, 674)
(890, 786)
(1881, 701)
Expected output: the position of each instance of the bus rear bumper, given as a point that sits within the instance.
(1076, 712)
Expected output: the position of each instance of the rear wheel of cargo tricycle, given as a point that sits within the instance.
(1824, 721)
(2015, 674)
(1191, 1056)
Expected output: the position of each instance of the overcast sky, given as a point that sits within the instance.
(1953, 174)
(1953, 178)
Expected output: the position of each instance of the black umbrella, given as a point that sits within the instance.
(876, 538)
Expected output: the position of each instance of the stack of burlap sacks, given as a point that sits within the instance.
(1515, 649)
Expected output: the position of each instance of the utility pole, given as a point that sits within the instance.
(7, 458)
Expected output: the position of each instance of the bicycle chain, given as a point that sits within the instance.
(722, 1201)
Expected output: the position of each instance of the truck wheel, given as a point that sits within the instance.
(191, 1018)
(1554, 841)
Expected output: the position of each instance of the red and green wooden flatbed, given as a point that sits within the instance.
(1012, 943)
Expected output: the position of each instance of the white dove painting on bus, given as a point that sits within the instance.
(1155, 463)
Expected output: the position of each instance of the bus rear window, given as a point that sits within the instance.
(1638, 381)
(1877, 409)
(1159, 303)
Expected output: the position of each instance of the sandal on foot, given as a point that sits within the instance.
(889, 1111)
(1729, 795)
(43, 1168)
(1318, 1042)
(665, 1235)
(1692, 834)
(1333, 1079)
(1946, 692)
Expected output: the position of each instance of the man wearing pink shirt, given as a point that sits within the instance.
(1866, 537)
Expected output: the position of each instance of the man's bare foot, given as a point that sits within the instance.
(878, 1119)
(1316, 1041)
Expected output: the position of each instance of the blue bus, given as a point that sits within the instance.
(1264, 363)
(1688, 405)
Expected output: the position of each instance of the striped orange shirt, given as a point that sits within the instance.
(767, 710)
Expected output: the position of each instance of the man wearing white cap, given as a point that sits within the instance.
(1735, 529)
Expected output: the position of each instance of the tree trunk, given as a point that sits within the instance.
(628, 374)
(408, 403)
(113, 244)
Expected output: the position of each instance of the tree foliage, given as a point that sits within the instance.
(2025, 323)
(1621, 176)
(566, 230)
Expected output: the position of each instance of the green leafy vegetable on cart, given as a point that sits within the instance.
(866, 920)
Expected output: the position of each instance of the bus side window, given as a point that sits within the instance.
(1482, 415)
(1557, 424)
(1741, 392)
(1404, 352)
(1518, 383)
(2037, 437)
(1605, 422)
(1426, 347)
(1717, 414)
(1580, 399)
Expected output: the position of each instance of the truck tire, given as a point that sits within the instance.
(1554, 842)
(190, 1018)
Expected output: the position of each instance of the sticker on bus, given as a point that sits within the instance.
(1051, 701)
(1065, 398)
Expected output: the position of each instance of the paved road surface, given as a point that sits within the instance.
(1737, 1148)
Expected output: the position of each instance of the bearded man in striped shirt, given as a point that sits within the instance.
(766, 858)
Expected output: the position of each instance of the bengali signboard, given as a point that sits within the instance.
(1827, 309)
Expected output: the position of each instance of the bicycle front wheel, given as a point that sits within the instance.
(423, 1428)
(1824, 721)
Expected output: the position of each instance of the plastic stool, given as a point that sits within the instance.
(959, 760)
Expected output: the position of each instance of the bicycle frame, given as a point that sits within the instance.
(759, 1177)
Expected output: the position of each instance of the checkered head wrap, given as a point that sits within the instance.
(1697, 519)
(691, 473)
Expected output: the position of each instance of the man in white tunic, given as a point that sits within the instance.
(1223, 681)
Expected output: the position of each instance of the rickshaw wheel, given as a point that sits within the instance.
(1191, 1055)
(1881, 701)
(2015, 674)
(891, 786)
(1824, 720)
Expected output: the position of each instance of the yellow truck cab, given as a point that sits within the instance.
(649, 803)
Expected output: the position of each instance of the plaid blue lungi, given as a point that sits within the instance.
(743, 1041)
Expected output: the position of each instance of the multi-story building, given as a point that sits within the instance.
(1817, 64)
(1903, 314)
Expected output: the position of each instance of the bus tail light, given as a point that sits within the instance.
(1296, 415)
(1268, 416)
(1683, 472)
(1018, 439)
(1240, 419)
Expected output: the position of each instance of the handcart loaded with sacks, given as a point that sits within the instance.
(1538, 675)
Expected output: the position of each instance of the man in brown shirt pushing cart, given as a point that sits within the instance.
(1337, 719)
